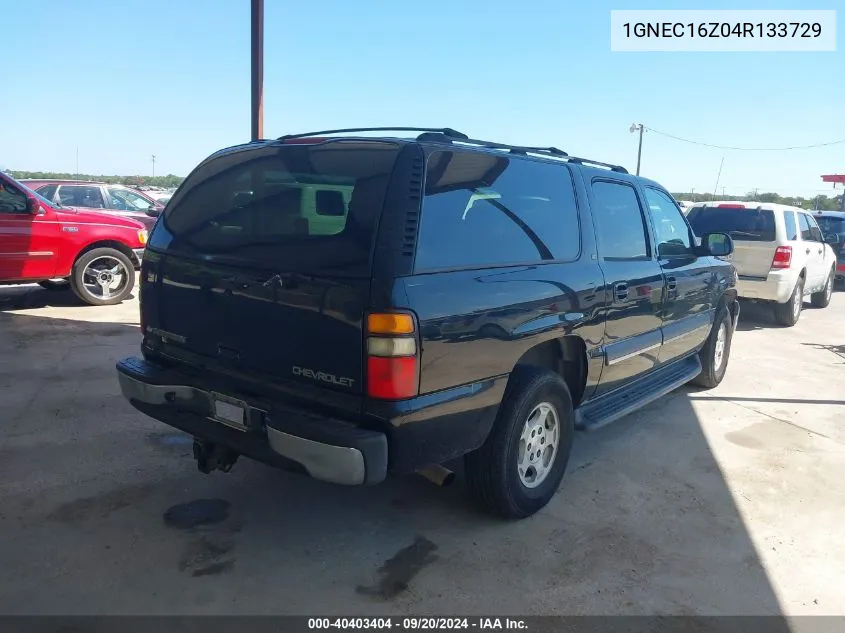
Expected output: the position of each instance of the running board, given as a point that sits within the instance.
(616, 404)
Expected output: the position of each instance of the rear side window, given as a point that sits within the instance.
(48, 191)
(295, 207)
(804, 225)
(87, 196)
(619, 221)
(815, 231)
(743, 225)
(482, 209)
(789, 222)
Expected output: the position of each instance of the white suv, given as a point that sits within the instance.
(780, 253)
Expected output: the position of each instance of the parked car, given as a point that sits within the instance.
(161, 196)
(102, 197)
(781, 255)
(297, 298)
(94, 254)
(685, 205)
(832, 224)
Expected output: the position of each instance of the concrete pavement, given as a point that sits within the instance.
(720, 502)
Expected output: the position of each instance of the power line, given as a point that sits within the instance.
(744, 149)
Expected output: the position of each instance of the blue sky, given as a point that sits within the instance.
(122, 80)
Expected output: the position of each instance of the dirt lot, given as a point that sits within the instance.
(721, 502)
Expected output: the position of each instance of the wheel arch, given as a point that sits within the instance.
(729, 298)
(115, 244)
(567, 357)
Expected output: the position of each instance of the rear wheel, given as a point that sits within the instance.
(716, 351)
(519, 468)
(103, 276)
(788, 313)
(55, 284)
(821, 299)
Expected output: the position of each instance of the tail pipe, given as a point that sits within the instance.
(437, 474)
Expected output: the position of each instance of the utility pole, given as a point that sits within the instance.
(77, 162)
(641, 128)
(257, 64)
(718, 176)
(692, 193)
(154, 165)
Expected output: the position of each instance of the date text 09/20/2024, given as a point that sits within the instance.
(416, 624)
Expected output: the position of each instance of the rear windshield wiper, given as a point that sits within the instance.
(744, 234)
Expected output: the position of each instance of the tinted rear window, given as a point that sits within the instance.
(743, 225)
(298, 207)
(482, 209)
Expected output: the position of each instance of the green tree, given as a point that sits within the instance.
(168, 181)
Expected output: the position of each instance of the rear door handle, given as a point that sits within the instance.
(621, 291)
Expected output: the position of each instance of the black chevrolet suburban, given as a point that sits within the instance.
(347, 306)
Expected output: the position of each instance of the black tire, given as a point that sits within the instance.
(78, 276)
(55, 284)
(821, 299)
(788, 313)
(713, 365)
(492, 472)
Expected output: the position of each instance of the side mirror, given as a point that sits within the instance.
(832, 238)
(33, 206)
(720, 244)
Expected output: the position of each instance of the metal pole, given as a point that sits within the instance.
(640, 149)
(718, 176)
(257, 23)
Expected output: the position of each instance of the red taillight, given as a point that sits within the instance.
(392, 356)
(392, 378)
(782, 258)
(840, 267)
(731, 206)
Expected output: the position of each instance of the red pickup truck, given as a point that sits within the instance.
(92, 253)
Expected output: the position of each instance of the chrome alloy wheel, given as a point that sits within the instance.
(719, 351)
(105, 277)
(538, 445)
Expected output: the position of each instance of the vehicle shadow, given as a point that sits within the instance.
(104, 512)
(29, 297)
(755, 316)
(839, 350)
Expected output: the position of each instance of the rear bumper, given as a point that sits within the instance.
(777, 286)
(325, 449)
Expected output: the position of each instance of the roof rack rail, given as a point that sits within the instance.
(581, 161)
(521, 149)
(516, 149)
(449, 135)
(446, 131)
